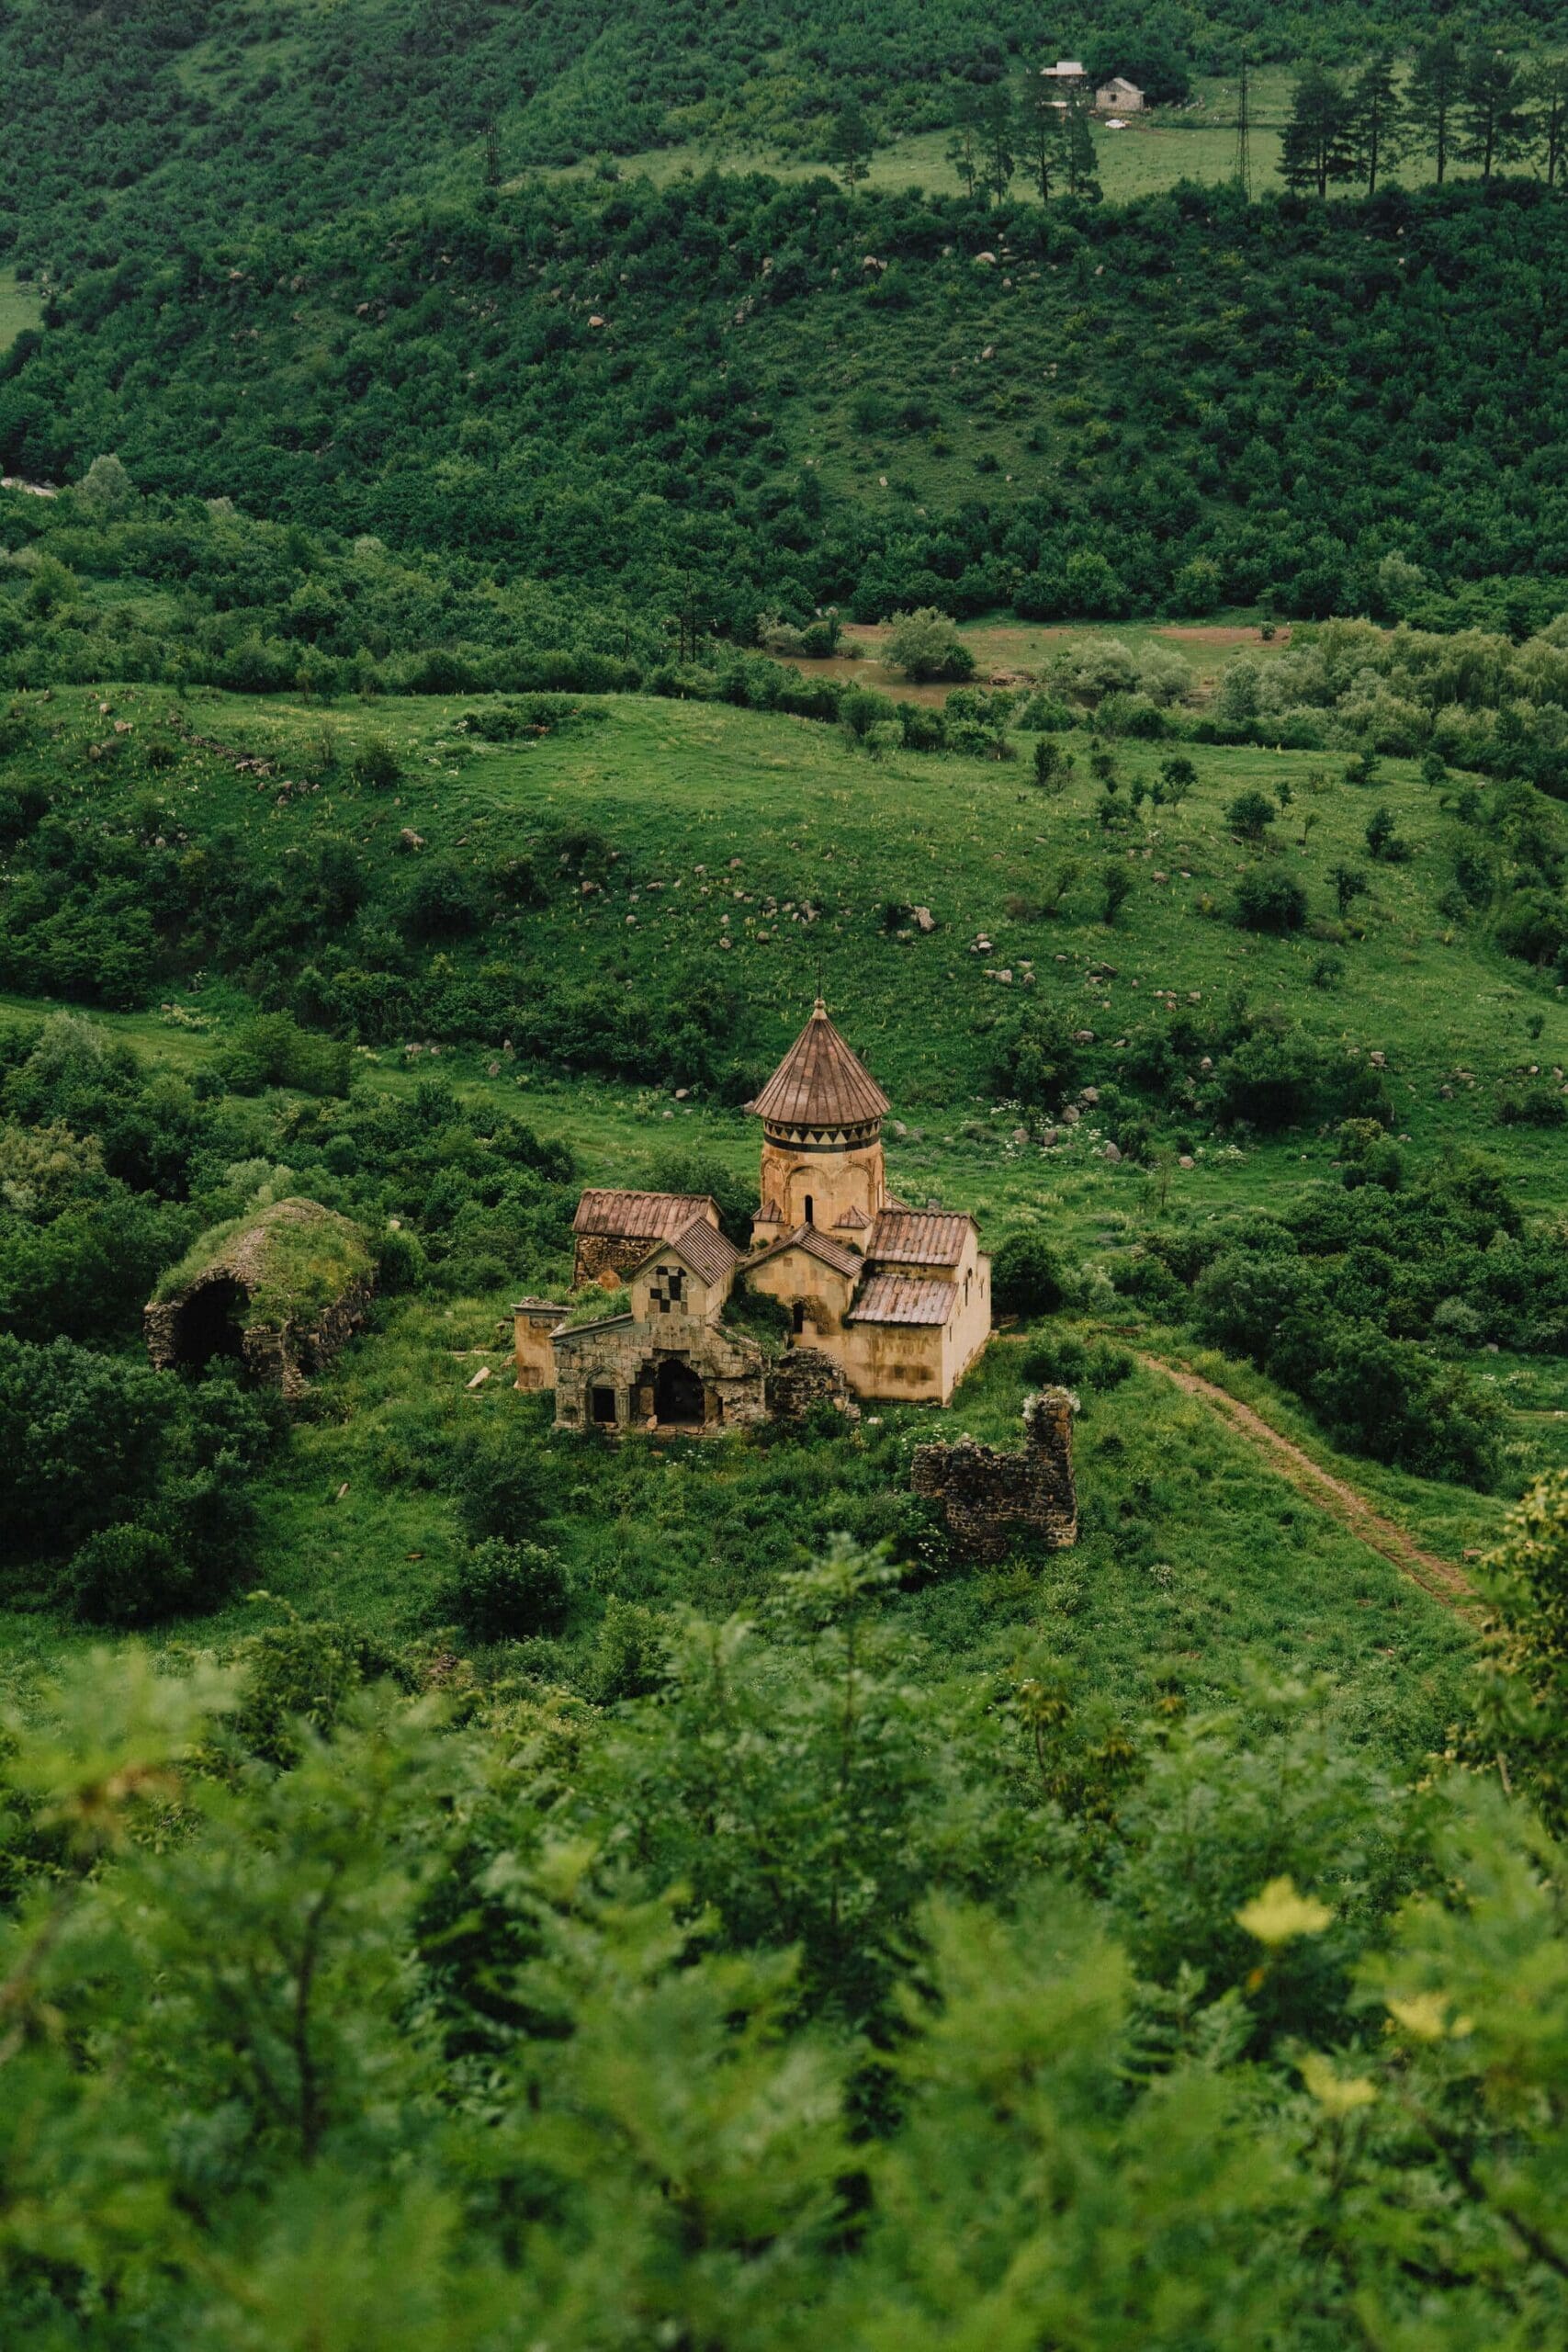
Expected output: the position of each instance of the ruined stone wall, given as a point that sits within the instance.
(277, 1355)
(623, 1354)
(598, 1254)
(990, 1501)
(804, 1377)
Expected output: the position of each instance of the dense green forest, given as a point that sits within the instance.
(704, 397)
(128, 123)
(538, 539)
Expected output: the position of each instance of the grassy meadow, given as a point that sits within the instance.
(19, 308)
(770, 852)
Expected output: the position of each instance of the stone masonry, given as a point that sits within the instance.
(804, 1377)
(990, 1501)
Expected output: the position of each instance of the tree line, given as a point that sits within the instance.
(1477, 106)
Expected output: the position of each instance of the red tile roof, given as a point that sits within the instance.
(903, 1298)
(920, 1237)
(815, 1244)
(708, 1252)
(822, 1083)
(630, 1215)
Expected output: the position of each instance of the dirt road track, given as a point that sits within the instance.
(1438, 1577)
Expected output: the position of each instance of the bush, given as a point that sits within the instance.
(1268, 899)
(272, 1049)
(1540, 1104)
(507, 1592)
(375, 763)
(1270, 1078)
(1251, 814)
(926, 644)
(1039, 1064)
(1027, 1275)
(127, 1574)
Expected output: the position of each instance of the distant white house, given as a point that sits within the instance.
(1065, 69)
(1119, 96)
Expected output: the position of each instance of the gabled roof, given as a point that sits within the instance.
(903, 1298)
(568, 1334)
(852, 1221)
(920, 1237)
(815, 1244)
(822, 1083)
(709, 1253)
(630, 1215)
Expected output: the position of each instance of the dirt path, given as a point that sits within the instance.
(1362, 1519)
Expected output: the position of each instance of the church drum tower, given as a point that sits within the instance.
(822, 1166)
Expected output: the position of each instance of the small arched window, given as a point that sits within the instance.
(810, 1210)
(797, 1318)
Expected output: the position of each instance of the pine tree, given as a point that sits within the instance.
(1494, 128)
(964, 148)
(1318, 145)
(1377, 118)
(1079, 159)
(1040, 133)
(1432, 97)
(996, 125)
(1548, 90)
(850, 143)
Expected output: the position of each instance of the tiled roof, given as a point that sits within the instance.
(903, 1298)
(817, 1244)
(708, 1252)
(852, 1221)
(570, 1333)
(822, 1083)
(630, 1215)
(920, 1237)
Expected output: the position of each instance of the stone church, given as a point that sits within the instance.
(883, 1300)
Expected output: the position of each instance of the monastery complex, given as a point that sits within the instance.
(882, 1300)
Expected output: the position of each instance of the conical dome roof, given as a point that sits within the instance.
(822, 1083)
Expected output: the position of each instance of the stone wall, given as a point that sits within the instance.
(623, 1354)
(804, 1377)
(276, 1355)
(991, 1500)
(608, 1258)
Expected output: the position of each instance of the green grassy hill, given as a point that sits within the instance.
(732, 859)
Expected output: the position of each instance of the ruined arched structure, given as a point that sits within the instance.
(279, 1291)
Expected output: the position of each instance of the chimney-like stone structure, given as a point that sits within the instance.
(992, 1501)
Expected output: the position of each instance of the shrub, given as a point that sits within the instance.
(272, 1049)
(441, 903)
(926, 644)
(506, 1591)
(1270, 1078)
(375, 763)
(1268, 899)
(1251, 814)
(1039, 1063)
(1540, 1103)
(127, 1574)
(1027, 1275)
(1383, 843)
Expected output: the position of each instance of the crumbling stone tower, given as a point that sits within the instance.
(990, 1500)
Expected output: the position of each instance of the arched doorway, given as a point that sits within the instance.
(208, 1324)
(678, 1399)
